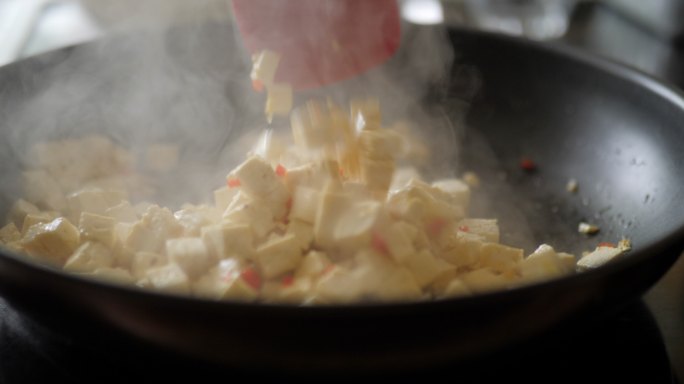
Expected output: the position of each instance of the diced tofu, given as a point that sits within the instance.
(89, 257)
(189, 253)
(256, 215)
(223, 240)
(224, 196)
(398, 241)
(600, 256)
(225, 283)
(338, 285)
(97, 228)
(123, 212)
(161, 157)
(487, 228)
(37, 218)
(193, 218)
(463, 250)
(500, 258)
(379, 144)
(484, 280)
(42, 189)
(402, 176)
(425, 267)
(259, 181)
(311, 126)
(303, 232)
(9, 234)
(54, 241)
(543, 264)
(279, 100)
(19, 210)
(94, 201)
(313, 264)
(456, 191)
(113, 275)
(144, 261)
(304, 204)
(354, 225)
(456, 288)
(140, 238)
(278, 256)
(377, 174)
(169, 278)
(332, 204)
(264, 67)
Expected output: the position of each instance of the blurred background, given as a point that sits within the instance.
(643, 34)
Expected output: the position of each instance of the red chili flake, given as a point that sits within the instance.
(379, 244)
(257, 85)
(606, 244)
(341, 172)
(233, 183)
(464, 228)
(436, 226)
(280, 170)
(528, 165)
(251, 277)
(287, 281)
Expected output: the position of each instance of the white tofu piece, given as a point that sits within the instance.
(123, 212)
(37, 218)
(162, 158)
(9, 234)
(463, 250)
(313, 265)
(162, 223)
(303, 232)
(19, 210)
(381, 144)
(457, 192)
(456, 288)
(169, 278)
(500, 258)
(304, 204)
(189, 253)
(42, 189)
(89, 257)
(397, 241)
(425, 267)
(278, 101)
(338, 285)
(143, 261)
(332, 204)
(141, 238)
(256, 215)
(225, 282)
(377, 174)
(113, 275)
(353, 227)
(193, 218)
(94, 201)
(487, 228)
(484, 280)
(264, 67)
(543, 264)
(399, 285)
(598, 257)
(278, 256)
(97, 228)
(311, 126)
(54, 241)
(224, 240)
(224, 196)
(259, 181)
(402, 176)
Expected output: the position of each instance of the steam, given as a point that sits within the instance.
(176, 72)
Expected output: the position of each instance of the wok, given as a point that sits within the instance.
(617, 131)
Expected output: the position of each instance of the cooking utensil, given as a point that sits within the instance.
(617, 131)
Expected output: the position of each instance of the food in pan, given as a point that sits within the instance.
(332, 213)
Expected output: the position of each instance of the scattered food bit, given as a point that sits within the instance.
(588, 229)
(602, 255)
(471, 179)
(528, 165)
(572, 186)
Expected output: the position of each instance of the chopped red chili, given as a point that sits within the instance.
(257, 85)
(233, 183)
(527, 164)
(251, 277)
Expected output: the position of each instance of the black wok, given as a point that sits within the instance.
(616, 131)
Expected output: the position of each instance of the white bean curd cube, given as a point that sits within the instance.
(223, 240)
(42, 189)
(123, 212)
(463, 250)
(97, 228)
(113, 275)
(312, 126)
(487, 228)
(456, 288)
(140, 238)
(54, 241)
(258, 216)
(304, 204)
(279, 100)
(456, 191)
(484, 280)
(397, 240)
(338, 285)
(193, 218)
(257, 177)
(313, 265)
(264, 67)
(94, 201)
(19, 210)
(278, 256)
(169, 278)
(37, 218)
(90, 256)
(543, 264)
(402, 177)
(500, 258)
(332, 204)
(225, 282)
(598, 257)
(425, 267)
(377, 174)
(353, 227)
(190, 253)
(143, 261)
(303, 232)
(224, 196)
(9, 234)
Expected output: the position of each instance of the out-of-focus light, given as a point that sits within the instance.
(422, 11)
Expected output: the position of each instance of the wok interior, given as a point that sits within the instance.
(503, 101)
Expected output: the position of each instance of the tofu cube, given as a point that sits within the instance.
(89, 257)
(398, 241)
(542, 264)
(225, 283)
(598, 257)
(19, 210)
(354, 225)
(37, 218)
(456, 288)
(487, 228)
(190, 254)
(123, 212)
(463, 250)
(256, 215)
(94, 201)
(140, 238)
(259, 181)
(366, 114)
(500, 258)
(425, 267)
(9, 234)
(144, 261)
(279, 100)
(224, 196)
(303, 232)
(278, 256)
(97, 228)
(455, 191)
(54, 241)
(484, 280)
(264, 67)
(377, 174)
(311, 126)
(113, 275)
(224, 240)
(304, 204)
(312, 266)
(169, 278)
(331, 206)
